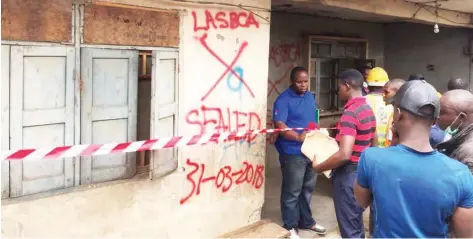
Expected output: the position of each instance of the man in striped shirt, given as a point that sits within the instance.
(356, 132)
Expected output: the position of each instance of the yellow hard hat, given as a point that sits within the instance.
(377, 77)
(438, 93)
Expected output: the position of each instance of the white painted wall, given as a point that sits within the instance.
(171, 206)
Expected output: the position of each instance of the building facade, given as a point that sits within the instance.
(92, 72)
(118, 71)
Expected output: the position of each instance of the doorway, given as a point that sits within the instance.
(145, 67)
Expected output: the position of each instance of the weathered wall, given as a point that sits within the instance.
(216, 188)
(287, 46)
(411, 48)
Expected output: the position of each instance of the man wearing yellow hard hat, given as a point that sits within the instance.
(376, 80)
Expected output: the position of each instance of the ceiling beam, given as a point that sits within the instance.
(401, 9)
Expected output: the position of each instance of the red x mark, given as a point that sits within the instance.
(273, 86)
(229, 67)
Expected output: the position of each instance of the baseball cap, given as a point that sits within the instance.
(416, 94)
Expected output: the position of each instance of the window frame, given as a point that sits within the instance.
(314, 63)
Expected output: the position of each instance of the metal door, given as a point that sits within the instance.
(324, 90)
(164, 107)
(108, 110)
(41, 115)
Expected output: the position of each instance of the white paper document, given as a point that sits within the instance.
(318, 144)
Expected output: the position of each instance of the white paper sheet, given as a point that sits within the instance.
(318, 144)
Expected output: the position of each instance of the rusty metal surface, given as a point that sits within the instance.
(130, 26)
(37, 20)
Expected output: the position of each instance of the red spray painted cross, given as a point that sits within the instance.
(229, 67)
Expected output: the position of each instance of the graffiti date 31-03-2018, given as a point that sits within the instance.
(225, 178)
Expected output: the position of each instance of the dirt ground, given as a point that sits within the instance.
(321, 204)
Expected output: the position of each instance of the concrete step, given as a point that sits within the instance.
(259, 229)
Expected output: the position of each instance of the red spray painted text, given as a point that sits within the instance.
(219, 120)
(225, 179)
(283, 53)
(225, 20)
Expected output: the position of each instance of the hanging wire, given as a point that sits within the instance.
(446, 19)
(425, 6)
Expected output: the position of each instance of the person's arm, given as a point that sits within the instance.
(361, 187)
(290, 134)
(374, 141)
(347, 131)
(462, 223)
(462, 219)
(280, 114)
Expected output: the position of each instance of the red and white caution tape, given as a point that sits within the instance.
(128, 147)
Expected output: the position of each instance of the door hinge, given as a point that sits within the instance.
(81, 85)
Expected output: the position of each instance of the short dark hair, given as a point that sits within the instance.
(296, 70)
(415, 77)
(457, 84)
(365, 67)
(352, 77)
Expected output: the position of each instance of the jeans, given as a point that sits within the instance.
(349, 213)
(298, 183)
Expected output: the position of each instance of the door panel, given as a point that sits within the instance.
(109, 111)
(5, 117)
(42, 106)
(164, 109)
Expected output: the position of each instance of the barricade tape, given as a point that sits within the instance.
(137, 146)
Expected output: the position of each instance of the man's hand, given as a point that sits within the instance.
(301, 136)
(273, 137)
(314, 163)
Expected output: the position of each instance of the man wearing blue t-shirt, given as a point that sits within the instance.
(417, 191)
(295, 108)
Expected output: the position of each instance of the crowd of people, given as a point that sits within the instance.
(405, 151)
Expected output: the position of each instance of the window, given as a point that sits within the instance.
(328, 57)
(116, 91)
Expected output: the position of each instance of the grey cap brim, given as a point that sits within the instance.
(390, 101)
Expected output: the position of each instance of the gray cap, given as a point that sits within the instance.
(416, 94)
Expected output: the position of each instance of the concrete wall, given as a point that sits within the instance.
(287, 46)
(410, 48)
(211, 100)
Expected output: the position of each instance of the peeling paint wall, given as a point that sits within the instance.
(415, 48)
(223, 70)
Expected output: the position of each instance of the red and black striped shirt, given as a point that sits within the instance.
(358, 120)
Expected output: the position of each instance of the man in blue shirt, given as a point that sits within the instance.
(295, 108)
(437, 136)
(417, 191)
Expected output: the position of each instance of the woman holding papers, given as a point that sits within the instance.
(356, 132)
